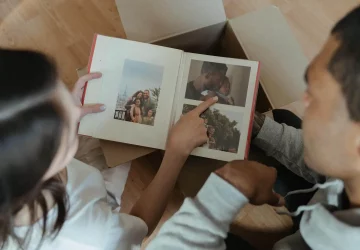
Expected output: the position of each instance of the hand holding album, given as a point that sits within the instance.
(147, 88)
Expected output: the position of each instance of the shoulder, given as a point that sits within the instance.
(190, 83)
(91, 216)
(190, 89)
(81, 179)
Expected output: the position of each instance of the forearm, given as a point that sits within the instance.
(153, 201)
(285, 144)
(202, 222)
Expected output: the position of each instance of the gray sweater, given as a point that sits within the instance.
(203, 222)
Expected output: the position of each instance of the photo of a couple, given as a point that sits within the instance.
(209, 79)
(141, 106)
(223, 128)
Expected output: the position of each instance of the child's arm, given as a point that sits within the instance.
(132, 112)
(188, 133)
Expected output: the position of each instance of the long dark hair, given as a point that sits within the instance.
(136, 93)
(31, 124)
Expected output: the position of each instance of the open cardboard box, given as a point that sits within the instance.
(201, 27)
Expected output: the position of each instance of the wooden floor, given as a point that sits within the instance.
(64, 30)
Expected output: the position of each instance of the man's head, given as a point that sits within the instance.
(146, 94)
(213, 74)
(332, 117)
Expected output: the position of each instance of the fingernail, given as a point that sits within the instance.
(215, 98)
(102, 108)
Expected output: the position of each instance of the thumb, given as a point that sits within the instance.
(92, 108)
(276, 200)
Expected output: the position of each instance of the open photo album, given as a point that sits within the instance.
(146, 88)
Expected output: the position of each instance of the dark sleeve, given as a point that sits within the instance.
(189, 92)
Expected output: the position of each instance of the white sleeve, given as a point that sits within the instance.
(202, 222)
(125, 232)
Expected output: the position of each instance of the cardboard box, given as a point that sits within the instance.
(201, 27)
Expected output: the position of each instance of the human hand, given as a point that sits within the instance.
(254, 180)
(78, 91)
(209, 95)
(190, 131)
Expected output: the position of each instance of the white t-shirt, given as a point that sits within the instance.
(91, 222)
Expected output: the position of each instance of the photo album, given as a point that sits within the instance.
(146, 88)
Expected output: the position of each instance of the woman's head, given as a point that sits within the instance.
(138, 94)
(138, 102)
(38, 123)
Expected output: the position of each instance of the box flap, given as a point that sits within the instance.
(117, 153)
(266, 37)
(148, 21)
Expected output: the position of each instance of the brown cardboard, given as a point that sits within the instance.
(262, 35)
(148, 21)
(265, 36)
(116, 153)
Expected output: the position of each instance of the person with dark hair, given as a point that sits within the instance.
(149, 118)
(135, 111)
(137, 95)
(325, 152)
(48, 200)
(212, 74)
(147, 103)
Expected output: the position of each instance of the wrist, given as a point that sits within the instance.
(241, 183)
(173, 160)
(259, 120)
(176, 152)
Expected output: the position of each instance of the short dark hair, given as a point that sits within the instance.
(31, 125)
(211, 67)
(345, 63)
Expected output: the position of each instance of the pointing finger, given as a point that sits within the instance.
(205, 105)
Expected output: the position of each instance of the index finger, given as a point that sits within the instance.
(205, 105)
(85, 78)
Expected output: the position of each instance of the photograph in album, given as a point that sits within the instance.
(208, 79)
(139, 92)
(223, 128)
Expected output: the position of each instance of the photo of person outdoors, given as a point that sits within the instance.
(144, 81)
(209, 79)
(223, 128)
